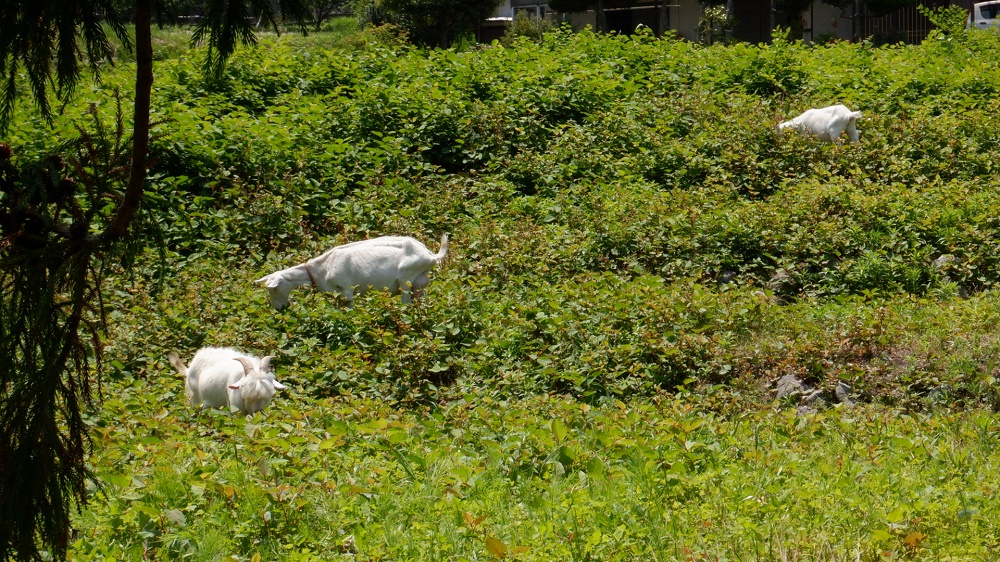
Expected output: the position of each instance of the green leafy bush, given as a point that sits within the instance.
(637, 255)
(635, 167)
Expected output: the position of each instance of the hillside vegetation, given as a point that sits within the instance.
(637, 255)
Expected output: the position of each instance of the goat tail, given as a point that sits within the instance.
(183, 370)
(439, 257)
(178, 364)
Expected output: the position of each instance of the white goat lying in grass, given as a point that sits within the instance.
(826, 123)
(398, 264)
(220, 376)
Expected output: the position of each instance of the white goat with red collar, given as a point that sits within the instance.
(826, 123)
(397, 264)
(222, 376)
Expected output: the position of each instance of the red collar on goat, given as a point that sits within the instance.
(310, 274)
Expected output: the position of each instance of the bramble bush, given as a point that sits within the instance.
(580, 160)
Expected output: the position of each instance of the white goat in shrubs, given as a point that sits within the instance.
(221, 376)
(397, 264)
(826, 123)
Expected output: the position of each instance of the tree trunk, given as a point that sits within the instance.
(602, 21)
(140, 123)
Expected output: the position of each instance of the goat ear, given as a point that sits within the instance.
(236, 385)
(278, 385)
(247, 365)
(265, 363)
(269, 281)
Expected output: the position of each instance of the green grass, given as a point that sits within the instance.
(174, 41)
(543, 478)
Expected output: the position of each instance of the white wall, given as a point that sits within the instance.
(684, 18)
(826, 20)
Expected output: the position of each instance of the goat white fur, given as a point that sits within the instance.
(222, 376)
(397, 264)
(826, 123)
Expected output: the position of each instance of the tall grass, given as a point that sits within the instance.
(537, 479)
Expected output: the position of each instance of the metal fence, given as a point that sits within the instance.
(905, 25)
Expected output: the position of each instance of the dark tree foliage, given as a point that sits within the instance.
(63, 223)
(51, 319)
(436, 23)
(225, 24)
(323, 10)
(39, 36)
(178, 11)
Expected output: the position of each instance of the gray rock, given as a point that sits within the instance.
(943, 260)
(843, 394)
(781, 279)
(815, 399)
(788, 385)
(727, 276)
(805, 410)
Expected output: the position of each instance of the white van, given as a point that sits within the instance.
(984, 15)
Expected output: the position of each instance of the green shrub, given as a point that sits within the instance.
(528, 26)
(573, 168)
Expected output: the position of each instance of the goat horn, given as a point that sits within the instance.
(265, 363)
(247, 365)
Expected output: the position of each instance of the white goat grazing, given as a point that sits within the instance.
(398, 264)
(221, 376)
(826, 123)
